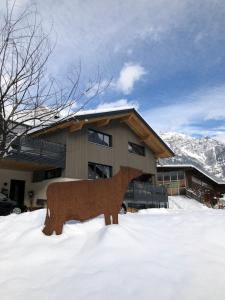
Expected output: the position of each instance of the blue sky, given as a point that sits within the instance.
(165, 57)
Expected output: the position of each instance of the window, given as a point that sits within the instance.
(49, 174)
(180, 175)
(96, 171)
(137, 149)
(173, 176)
(160, 177)
(166, 176)
(53, 173)
(99, 138)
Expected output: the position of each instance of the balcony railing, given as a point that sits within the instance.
(38, 151)
(145, 195)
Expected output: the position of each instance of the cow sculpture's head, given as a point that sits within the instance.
(129, 174)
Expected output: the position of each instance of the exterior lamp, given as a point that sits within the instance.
(30, 194)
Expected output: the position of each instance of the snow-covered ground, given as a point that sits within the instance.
(182, 202)
(164, 254)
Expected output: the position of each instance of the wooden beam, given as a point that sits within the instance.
(135, 126)
(161, 155)
(76, 126)
(102, 122)
(69, 124)
(145, 138)
(126, 118)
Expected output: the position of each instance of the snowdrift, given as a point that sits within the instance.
(155, 254)
(182, 202)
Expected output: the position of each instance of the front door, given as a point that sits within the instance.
(17, 189)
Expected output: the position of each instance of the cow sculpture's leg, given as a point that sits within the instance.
(115, 218)
(107, 219)
(48, 229)
(59, 227)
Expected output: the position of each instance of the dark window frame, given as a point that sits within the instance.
(160, 177)
(109, 136)
(39, 176)
(136, 146)
(101, 165)
(181, 175)
(173, 175)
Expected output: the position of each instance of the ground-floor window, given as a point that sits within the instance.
(46, 174)
(96, 171)
(174, 181)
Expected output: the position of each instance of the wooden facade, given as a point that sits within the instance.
(192, 181)
(124, 127)
(130, 117)
(80, 151)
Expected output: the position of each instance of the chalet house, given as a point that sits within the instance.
(190, 180)
(88, 146)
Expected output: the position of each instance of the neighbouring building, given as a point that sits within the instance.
(88, 146)
(189, 180)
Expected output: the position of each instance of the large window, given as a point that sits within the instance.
(160, 177)
(96, 171)
(137, 149)
(170, 176)
(99, 138)
(48, 174)
(173, 176)
(180, 175)
(174, 181)
(166, 176)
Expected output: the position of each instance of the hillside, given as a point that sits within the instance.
(206, 153)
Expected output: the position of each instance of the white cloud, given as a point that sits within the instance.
(129, 75)
(100, 33)
(186, 114)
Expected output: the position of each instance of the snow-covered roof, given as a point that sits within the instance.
(102, 110)
(218, 181)
(81, 114)
(78, 114)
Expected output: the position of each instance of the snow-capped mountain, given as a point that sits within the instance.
(206, 153)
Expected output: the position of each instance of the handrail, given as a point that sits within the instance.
(191, 194)
(38, 150)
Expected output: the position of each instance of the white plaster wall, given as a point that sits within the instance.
(6, 176)
(40, 188)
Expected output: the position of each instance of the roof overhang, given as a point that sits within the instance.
(128, 116)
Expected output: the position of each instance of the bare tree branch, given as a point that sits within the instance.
(28, 97)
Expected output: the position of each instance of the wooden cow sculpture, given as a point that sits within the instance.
(85, 199)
